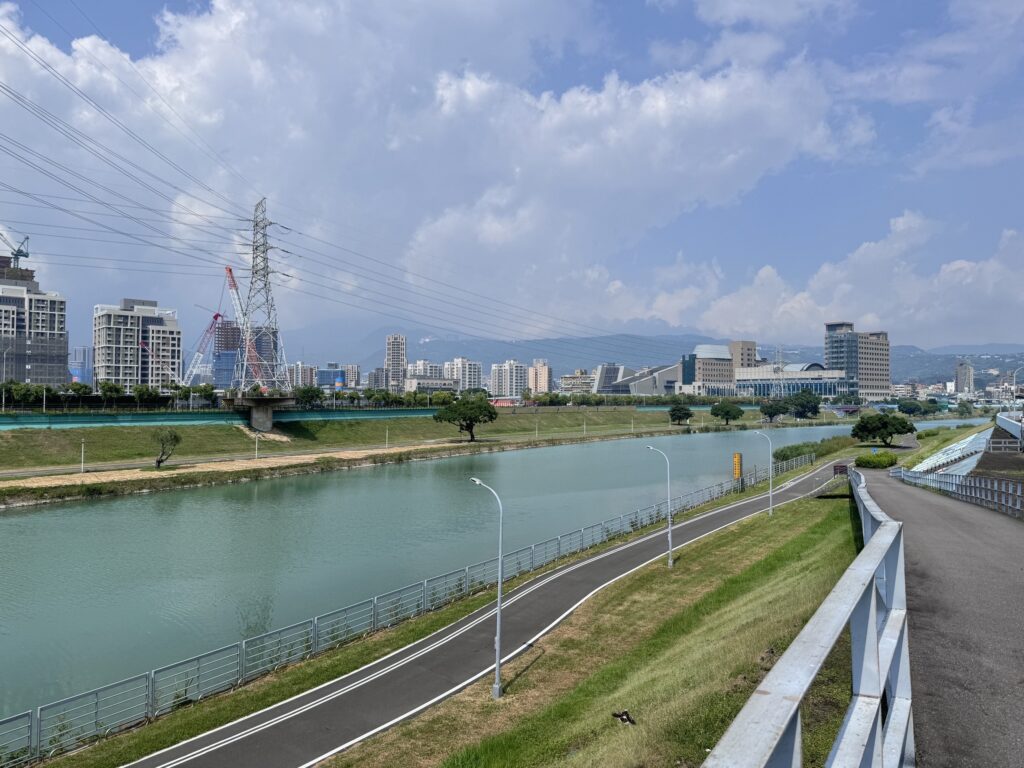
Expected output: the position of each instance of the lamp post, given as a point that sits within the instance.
(3, 406)
(496, 688)
(1013, 394)
(771, 474)
(257, 445)
(668, 498)
(82, 470)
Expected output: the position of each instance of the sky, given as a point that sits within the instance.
(735, 168)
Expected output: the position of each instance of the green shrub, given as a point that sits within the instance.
(879, 460)
(823, 447)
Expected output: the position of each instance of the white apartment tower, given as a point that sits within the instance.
(395, 363)
(424, 369)
(33, 329)
(136, 342)
(539, 377)
(467, 374)
(508, 379)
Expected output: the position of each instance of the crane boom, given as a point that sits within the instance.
(243, 322)
(163, 365)
(201, 347)
(236, 299)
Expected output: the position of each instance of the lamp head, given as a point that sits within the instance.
(476, 481)
(650, 447)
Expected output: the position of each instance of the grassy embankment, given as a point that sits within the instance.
(932, 441)
(808, 542)
(24, 448)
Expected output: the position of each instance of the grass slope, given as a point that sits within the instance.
(682, 650)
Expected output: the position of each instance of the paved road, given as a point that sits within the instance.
(965, 599)
(338, 714)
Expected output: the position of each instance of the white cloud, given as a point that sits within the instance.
(879, 287)
(770, 13)
(748, 49)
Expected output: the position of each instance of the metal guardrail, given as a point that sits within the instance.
(1000, 494)
(878, 729)
(80, 720)
(1011, 422)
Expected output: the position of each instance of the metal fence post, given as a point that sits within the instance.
(316, 634)
(423, 600)
(242, 663)
(374, 623)
(151, 696)
(37, 739)
(533, 558)
(465, 582)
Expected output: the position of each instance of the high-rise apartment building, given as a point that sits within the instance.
(377, 379)
(300, 374)
(395, 362)
(508, 379)
(136, 342)
(467, 374)
(424, 369)
(538, 377)
(33, 329)
(964, 377)
(864, 357)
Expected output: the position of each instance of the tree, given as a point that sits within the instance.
(774, 408)
(467, 413)
(804, 404)
(442, 398)
(308, 397)
(679, 413)
(964, 409)
(109, 390)
(79, 390)
(168, 440)
(205, 392)
(726, 412)
(882, 427)
(143, 393)
(910, 407)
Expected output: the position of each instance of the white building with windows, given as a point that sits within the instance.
(467, 374)
(424, 369)
(395, 363)
(136, 342)
(539, 377)
(33, 329)
(508, 379)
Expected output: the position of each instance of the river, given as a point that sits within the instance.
(93, 592)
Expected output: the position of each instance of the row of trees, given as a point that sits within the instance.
(19, 393)
(804, 404)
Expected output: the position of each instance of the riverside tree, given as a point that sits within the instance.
(168, 440)
(773, 408)
(804, 404)
(882, 427)
(679, 413)
(726, 412)
(467, 413)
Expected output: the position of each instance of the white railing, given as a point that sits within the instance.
(78, 720)
(1011, 422)
(878, 729)
(1000, 494)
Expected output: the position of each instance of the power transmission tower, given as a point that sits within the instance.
(261, 359)
(778, 379)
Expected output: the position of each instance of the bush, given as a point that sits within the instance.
(823, 447)
(930, 432)
(879, 460)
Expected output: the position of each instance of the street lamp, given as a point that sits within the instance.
(3, 406)
(668, 499)
(1013, 394)
(496, 688)
(83, 456)
(771, 474)
(257, 445)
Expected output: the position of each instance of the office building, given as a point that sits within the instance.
(395, 363)
(136, 342)
(429, 384)
(653, 380)
(508, 379)
(864, 357)
(468, 374)
(744, 354)
(377, 379)
(33, 329)
(770, 381)
(580, 382)
(538, 377)
(964, 377)
(708, 370)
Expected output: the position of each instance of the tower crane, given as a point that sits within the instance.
(164, 366)
(18, 251)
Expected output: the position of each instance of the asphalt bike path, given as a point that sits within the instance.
(308, 728)
(965, 605)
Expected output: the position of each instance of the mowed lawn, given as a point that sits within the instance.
(22, 448)
(682, 650)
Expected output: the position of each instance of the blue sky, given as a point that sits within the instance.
(734, 167)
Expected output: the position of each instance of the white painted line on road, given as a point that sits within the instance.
(519, 594)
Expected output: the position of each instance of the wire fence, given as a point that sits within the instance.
(79, 720)
(1000, 494)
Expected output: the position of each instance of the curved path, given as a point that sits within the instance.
(310, 727)
(965, 605)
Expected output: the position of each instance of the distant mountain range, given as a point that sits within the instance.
(566, 354)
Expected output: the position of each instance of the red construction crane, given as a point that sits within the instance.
(201, 347)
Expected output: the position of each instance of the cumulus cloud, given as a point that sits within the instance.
(777, 13)
(879, 286)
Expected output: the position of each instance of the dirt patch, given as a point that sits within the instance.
(273, 436)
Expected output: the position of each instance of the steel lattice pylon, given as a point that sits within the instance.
(261, 359)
